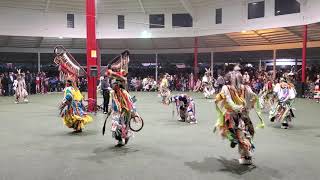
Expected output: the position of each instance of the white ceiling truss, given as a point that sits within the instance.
(273, 36)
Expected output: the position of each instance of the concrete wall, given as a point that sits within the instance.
(23, 22)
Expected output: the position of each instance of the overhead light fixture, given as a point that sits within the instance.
(249, 65)
(254, 3)
(146, 34)
(60, 37)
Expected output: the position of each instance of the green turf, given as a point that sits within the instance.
(36, 145)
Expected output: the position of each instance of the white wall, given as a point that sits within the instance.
(22, 22)
(235, 17)
(312, 13)
(136, 24)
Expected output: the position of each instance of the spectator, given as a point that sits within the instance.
(28, 78)
(42, 82)
(133, 83)
(105, 87)
(10, 83)
(1, 86)
(220, 82)
(191, 81)
(38, 82)
(246, 78)
(317, 89)
(5, 85)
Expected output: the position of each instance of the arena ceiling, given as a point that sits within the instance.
(238, 39)
(107, 6)
(230, 41)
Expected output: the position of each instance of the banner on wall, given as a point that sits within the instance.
(9, 65)
(181, 66)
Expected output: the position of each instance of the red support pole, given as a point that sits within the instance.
(195, 60)
(91, 52)
(304, 53)
(98, 59)
(274, 64)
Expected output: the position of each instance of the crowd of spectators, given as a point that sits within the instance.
(43, 82)
(251, 76)
(176, 83)
(36, 83)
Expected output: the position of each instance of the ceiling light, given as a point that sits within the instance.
(145, 34)
(254, 3)
(60, 37)
(249, 65)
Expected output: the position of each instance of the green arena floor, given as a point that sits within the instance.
(35, 145)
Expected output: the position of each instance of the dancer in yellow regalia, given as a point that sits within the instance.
(72, 109)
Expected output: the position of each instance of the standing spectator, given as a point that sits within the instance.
(1, 87)
(184, 84)
(254, 85)
(46, 84)
(144, 83)
(53, 84)
(15, 84)
(42, 82)
(220, 82)
(10, 84)
(84, 84)
(38, 81)
(154, 86)
(139, 84)
(28, 81)
(317, 89)
(61, 85)
(197, 87)
(246, 78)
(105, 87)
(134, 83)
(99, 85)
(5, 85)
(171, 83)
(191, 82)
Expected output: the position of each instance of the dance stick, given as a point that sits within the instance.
(104, 124)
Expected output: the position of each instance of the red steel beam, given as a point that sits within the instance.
(304, 53)
(195, 59)
(91, 52)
